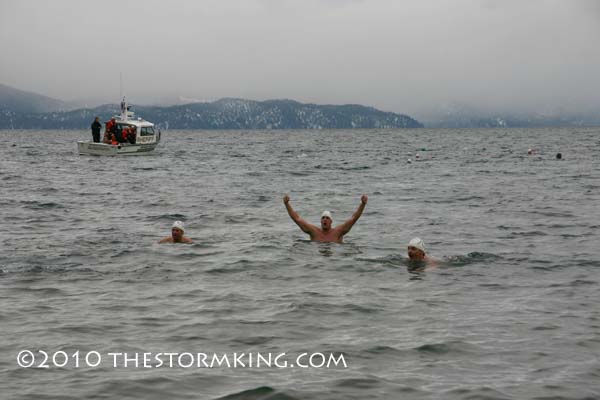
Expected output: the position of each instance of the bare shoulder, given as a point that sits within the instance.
(168, 239)
(341, 230)
(432, 263)
(186, 240)
(313, 228)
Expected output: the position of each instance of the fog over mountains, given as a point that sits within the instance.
(30, 111)
(19, 101)
(27, 110)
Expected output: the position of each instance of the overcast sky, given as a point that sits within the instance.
(397, 55)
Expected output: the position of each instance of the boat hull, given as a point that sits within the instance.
(124, 149)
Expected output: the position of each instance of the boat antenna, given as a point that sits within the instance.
(123, 101)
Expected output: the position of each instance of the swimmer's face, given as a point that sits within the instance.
(415, 254)
(177, 234)
(326, 223)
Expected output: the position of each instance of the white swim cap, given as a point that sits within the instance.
(178, 225)
(326, 214)
(417, 243)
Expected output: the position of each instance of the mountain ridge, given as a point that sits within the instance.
(17, 100)
(226, 113)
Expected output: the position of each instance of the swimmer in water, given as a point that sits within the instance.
(176, 234)
(417, 252)
(326, 233)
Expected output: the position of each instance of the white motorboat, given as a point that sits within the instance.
(146, 139)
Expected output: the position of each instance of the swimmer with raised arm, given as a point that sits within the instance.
(326, 233)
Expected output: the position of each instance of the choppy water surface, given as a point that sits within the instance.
(511, 313)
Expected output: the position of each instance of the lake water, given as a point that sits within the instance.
(510, 313)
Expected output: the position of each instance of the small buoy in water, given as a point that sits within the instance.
(529, 151)
(409, 161)
(558, 156)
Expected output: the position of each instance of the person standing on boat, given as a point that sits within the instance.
(107, 139)
(125, 134)
(177, 231)
(132, 134)
(111, 125)
(96, 126)
(326, 233)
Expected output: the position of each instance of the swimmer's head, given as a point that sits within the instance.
(178, 225)
(558, 156)
(177, 230)
(416, 249)
(530, 151)
(326, 220)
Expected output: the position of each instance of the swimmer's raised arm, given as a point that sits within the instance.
(346, 226)
(305, 226)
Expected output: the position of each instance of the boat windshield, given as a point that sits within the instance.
(147, 131)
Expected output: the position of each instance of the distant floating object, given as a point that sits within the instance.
(559, 156)
(529, 151)
(409, 161)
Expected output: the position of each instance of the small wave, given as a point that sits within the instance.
(382, 350)
(240, 219)
(552, 214)
(437, 348)
(143, 168)
(545, 328)
(169, 217)
(48, 190)
(589, 263)
(457, 347)
(259, 393)
(223, 270)
(361, 309)
(254, 340)
(53, 269)
(39, 205)
(470, 198)
(470, 258)
(361, 168)
(300, 173)
(483, 393)
(47, 291)
(359, 383)
(526, 234)
(582, 282)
